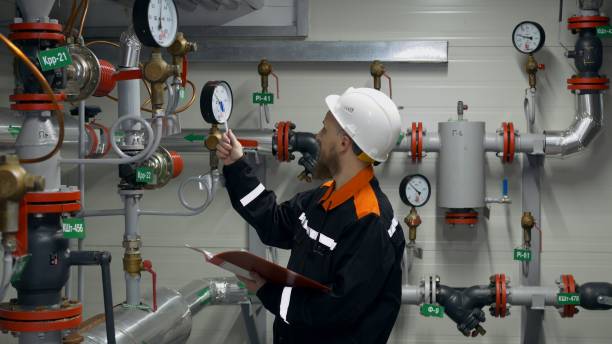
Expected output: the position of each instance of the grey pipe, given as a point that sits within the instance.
(189, 139)
(172, 321)
(412, 295)
(81, 246)
(585, 128)
(533, 296)
(131, 201)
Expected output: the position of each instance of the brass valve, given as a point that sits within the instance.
(264, 68)
(14, 183)
(532, 67)
(156, 71)
(377, 70)
(527, 222)
(132, 263)
(413, 220)
(180, 48)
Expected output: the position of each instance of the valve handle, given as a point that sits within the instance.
(147, 266)
(184, 71)
(541, 66)
(505, 187)
(277, 86)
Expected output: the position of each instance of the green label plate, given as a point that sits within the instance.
(522, 254)
(54, 58)
(20, 265)
(73, 228)
(263, 98)
(604, 31)
(568, 299)
(429, 310)
(14, 131)
(144, 175)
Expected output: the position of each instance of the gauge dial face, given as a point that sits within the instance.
(216, 102)
(222, 102)
(415, 190)
(528, 37)
(163, 21)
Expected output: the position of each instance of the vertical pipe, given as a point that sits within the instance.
(132, 235)
(108, 298)
(80, 272)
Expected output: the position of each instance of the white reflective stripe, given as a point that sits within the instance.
(252, 195)
(284, 303)
(312, 234)
(327, 241)
(391, 230)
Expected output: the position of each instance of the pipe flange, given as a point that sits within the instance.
(83, 74)
(586, 22)
(462, 217)
(568, 285)
(509, 139)
(500, 309)
(588, 84)
(416, 142)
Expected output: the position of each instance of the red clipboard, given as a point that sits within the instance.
(242, 262)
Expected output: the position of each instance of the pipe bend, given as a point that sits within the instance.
(585, 128)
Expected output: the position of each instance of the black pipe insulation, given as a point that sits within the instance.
(590, 294)
(102, 258)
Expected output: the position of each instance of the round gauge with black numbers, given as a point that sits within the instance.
(155, 22)
(528, 37)
(216, 102)
(415, 190)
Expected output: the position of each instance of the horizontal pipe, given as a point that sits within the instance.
(528, 295)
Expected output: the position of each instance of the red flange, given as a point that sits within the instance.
(586, 22)
(596, 84)
(107, 79)
(44, 203)
(32, 36)
(282, 141)
(248, 143)
(39, 320)
(569, 286)
(177, 163)
(35, 27)
(286, 140)
(416, 142)
(36, 102)
(36, 97)
(509, 142)
(463, 218)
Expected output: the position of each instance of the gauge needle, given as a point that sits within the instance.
(415, 189)
(160, 14)
(528, 37)
(220, 103)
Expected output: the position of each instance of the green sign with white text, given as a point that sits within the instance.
(73, 228)
(263, 98)
(568, 299)
(430, 310)
(144, 175)
(604, 31)
(54, 58)
(522, 254)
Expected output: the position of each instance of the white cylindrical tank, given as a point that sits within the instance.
(461, 180)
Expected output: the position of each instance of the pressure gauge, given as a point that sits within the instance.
(415, 190)
(528, 37)
(216, 102)
(155, 22)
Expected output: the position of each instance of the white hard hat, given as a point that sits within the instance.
(369, 117)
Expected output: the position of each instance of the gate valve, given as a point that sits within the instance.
(147, 266)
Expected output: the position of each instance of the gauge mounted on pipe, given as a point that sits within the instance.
(216, 102)
(415, 190)
(528, 37)
(155, 22)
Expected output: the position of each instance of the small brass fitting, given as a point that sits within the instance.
(180, 48)
(15, 181)
(413, 220)
(377, 70)
(132, 263)
(527, 222)
(214, 137)
(156, 71)
(531, 67)
(264, 68)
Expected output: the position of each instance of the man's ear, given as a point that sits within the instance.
(346, 143)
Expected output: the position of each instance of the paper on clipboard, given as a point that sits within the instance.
(242, 263)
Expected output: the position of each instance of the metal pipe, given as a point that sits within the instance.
(7, 271)
(191, 140)
(81, 246)
(412, 295)
(131, 201)
(532, 295)
(585, 128)
(172, 321)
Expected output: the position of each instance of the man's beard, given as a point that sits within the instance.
(326, 166)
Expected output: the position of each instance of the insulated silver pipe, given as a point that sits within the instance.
(412, 295)
(191, 140)
(172, 321)
(585, 128)
(533, 296)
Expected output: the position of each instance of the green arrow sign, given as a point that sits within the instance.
(73, 228)
(54, 58)
(522, 254)
(263, 98)
(604, 31)
(193, 137)
(568, 299)
(429, 310)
